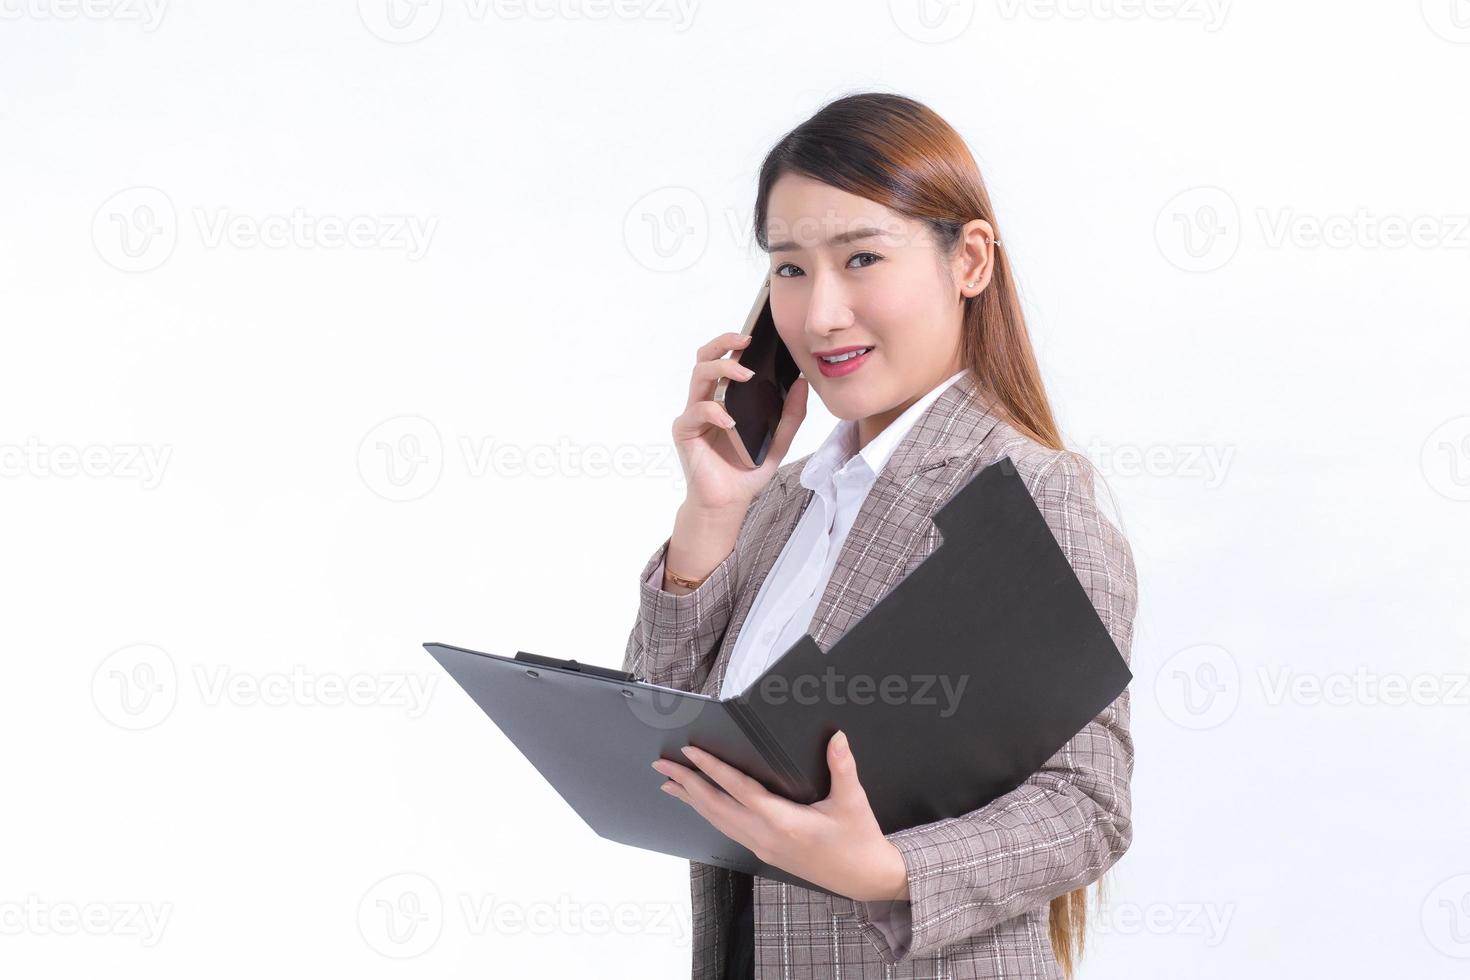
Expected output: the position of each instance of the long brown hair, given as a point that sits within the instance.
(898, 152)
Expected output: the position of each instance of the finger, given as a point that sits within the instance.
(748, 791)
(702, 387)
(719, 808)
(720, 344)
(707, 374)
(698, 417)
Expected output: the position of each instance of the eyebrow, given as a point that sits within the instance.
(841, 238)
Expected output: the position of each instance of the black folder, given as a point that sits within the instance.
(953, 689)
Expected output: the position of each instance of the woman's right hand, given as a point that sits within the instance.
(715, 481)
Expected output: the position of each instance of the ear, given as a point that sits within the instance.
(975, 258)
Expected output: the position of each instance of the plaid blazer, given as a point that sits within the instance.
(979, 883)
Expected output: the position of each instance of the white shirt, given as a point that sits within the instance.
(840, 476)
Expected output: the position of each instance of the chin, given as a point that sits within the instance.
(853, 406)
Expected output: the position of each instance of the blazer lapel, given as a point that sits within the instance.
(893, 527)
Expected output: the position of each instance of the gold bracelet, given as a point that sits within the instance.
(688, 583)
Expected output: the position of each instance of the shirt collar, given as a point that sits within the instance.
(838, 453)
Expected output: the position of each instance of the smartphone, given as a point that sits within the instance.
(755, 404)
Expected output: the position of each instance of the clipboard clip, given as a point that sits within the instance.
(593, 669)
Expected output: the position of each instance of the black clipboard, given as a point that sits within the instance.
(996, 611)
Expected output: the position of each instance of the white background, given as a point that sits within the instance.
(333, 434)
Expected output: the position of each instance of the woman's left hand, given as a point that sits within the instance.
(835, 843)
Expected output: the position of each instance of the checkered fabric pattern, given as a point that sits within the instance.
(979, 883)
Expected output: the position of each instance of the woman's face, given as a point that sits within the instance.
(845, 272)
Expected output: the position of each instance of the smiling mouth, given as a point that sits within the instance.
(847, 356)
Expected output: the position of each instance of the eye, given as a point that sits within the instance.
(785, 265)
(875, 258)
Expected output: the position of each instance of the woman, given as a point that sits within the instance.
(881, 239)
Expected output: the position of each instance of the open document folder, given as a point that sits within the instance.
(959, 684)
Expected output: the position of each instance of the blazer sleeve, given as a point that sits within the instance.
(1066, 824)
(675, 638)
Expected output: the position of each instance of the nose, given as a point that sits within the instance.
(827, 312)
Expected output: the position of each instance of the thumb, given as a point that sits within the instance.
(793, 413)
(845, 785)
